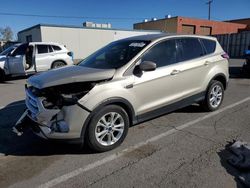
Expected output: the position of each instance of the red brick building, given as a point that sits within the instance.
(186, 25)
(242, 21)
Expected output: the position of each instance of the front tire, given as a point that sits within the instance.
(214, 96)
(108, 128)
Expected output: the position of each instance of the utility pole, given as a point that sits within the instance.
(209, 8)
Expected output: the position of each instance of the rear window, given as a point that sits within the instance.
(41, 49)
(189, 48)
(56, 48)
(209, 45)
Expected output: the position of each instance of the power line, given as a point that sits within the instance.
(68, 17)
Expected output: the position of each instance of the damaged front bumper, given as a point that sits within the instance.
(64, 123)
(25, 122)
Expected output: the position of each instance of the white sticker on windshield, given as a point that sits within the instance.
(137, 44)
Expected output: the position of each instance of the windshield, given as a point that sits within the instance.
(8, 50)
(115, 55)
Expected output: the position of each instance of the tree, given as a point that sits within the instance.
(6, 34)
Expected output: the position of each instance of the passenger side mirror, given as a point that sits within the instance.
(147, 66)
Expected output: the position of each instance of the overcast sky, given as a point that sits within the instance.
(136, 10)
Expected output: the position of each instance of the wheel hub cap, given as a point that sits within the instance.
(109, 128)
(215, 96)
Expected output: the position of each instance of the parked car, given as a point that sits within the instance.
(124, 83)
(32, 57)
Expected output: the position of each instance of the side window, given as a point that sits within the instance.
(20, 50)
(42, 49)
(50, 49)
(209, 45)
(189, 48)
(56, 48)
(162, 54)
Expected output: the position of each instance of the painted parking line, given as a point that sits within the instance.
(112, 157)
(14, 105)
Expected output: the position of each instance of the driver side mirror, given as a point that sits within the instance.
(147, 66)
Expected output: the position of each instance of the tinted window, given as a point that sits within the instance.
(114, 55)
(56, 48)
(20, 50)
(162, 54)
(50, 49)
(41, 49)
(189, 48)
(209, 45)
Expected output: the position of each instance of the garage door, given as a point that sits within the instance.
(205, 30)
(188, 29)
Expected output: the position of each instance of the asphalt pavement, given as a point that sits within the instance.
(185, 148)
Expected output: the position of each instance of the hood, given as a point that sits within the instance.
(69, 74)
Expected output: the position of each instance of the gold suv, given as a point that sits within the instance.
(124, 83)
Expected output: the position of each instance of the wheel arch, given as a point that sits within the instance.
(221, 78)
(125, 104)
(58, 60)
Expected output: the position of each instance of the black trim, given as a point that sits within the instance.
(171, 107)
(83, 107)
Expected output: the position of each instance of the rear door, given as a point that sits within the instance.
(193, 65)
(43, 57)
(16, 60)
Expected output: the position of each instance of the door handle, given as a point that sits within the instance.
(174, 72)
(207, 63)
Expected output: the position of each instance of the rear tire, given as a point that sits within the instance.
(58, 64)
(108, 128)
(214, 96)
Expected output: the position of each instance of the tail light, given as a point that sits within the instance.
(225, 55)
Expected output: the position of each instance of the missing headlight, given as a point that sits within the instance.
(65, 95)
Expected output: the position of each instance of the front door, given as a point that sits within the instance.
(154, 89)
(16, 60)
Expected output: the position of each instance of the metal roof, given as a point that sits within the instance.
(79, 27)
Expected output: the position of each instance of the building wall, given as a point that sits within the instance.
(166, 25)
(216, 26)
(191, 26)
(242, 21)
(35, 33)
(81, 41)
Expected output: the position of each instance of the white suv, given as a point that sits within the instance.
(34, 57)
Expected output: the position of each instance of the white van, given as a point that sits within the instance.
(29, 58)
